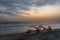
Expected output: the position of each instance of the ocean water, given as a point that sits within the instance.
(18, 28)
(13, 28)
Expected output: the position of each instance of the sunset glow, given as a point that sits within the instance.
(42, 13)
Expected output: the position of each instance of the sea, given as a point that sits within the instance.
(19, 28)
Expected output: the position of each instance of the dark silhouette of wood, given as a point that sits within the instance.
(44, 34)
(42, 27)
(49, 30)
(37, 29)
(37, 32)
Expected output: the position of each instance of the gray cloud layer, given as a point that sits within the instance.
(16, 7)
(12, 6)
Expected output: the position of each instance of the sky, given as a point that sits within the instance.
(33, 11)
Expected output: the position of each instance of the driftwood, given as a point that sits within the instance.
(38, 30)
(38, 35)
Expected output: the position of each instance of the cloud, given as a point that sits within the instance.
(15, 6)
(4, 17)
(14, 10)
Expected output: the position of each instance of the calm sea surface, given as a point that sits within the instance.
(18, 28)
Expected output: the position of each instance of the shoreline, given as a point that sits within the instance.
(19, 36)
